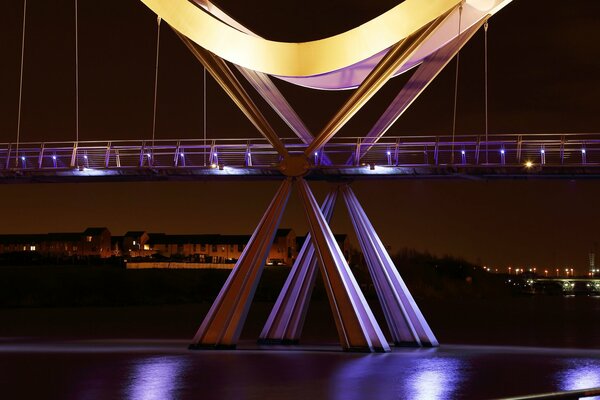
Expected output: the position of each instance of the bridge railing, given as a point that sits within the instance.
(575, 149)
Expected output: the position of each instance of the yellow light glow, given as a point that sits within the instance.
(306, 58)
(529, 164)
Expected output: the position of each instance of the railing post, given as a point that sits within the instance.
(118, 158)
(477, 147)
(519, 147)
(142, 149)
(8, 152)
(74, 155)
(41, 156)
(357, 153)
(176, 156)
(397, 152)
(213, 158)
(248, 155)
(436, 150)
(107, 156)
(562, 149)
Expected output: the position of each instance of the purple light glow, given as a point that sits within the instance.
(502, 151)
(580, 374)
(155, 378)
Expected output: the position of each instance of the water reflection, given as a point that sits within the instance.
(580, 374)
(400, 376)
(155, 378)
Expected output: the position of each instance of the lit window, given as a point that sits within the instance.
(31, 248)
(88, 238)
(146, 247)
(134, 242)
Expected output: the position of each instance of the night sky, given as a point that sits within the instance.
(544, 59)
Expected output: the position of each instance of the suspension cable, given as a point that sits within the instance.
(158, 20)
(76, 73)
(485, 32)
(456, 87)
(21, 84)
(204, 115)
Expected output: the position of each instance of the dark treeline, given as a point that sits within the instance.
(88, 282)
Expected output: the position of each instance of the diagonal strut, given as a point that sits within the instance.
(397, 56)
(227, 80)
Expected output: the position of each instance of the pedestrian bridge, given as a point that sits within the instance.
(465, 156)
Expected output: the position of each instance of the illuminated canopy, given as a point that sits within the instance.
(338, 62)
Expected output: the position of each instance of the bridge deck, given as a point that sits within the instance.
(467, 156)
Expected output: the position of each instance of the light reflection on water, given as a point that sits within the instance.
(580, 374)
(403, 377)
(155, 378)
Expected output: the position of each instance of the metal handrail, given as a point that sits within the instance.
(510, 150)
(566, 395)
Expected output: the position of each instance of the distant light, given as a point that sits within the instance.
(529, 164)
(502, 151)
(582, 151)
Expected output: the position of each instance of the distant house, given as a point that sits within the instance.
(212, 248)
(93, 242)
(135, 244)
(20, 243)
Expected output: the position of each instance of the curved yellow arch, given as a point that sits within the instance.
(299, 59)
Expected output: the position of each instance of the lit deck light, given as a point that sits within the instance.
(502, 151)
(213, 165)
(181, 155)
(215, 154)
(85, 157)
(462, 152)
(389, 153)
(542, 151)
(148, 155)
(54, 157)
(582, 151)
(529, 164)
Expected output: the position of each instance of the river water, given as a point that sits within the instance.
(141, 353)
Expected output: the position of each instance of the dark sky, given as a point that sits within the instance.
(544, 61)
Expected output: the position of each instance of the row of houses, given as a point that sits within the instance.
(202, 248)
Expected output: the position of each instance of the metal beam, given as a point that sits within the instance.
(286, 320)
(223, 324)
(357, 328)
(398, 55)
(418, 82)
(406, 322)
(227, 80)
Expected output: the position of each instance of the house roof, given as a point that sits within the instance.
(134, 234)
(21, 238)
(95, 231)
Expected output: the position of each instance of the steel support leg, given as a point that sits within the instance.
(286, 320)
(356, 325)
(405, 320)
(223, 324)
